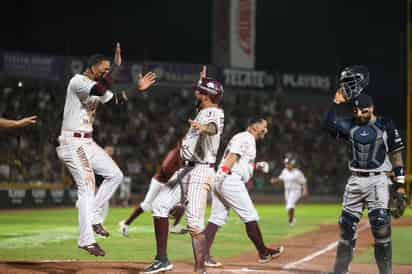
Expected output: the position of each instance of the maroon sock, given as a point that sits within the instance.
(210, 233)
(138, 210)
(291, 214)
(254, 234)
(199, 252)
(161, 226)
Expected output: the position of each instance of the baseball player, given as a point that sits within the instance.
(229, 191)
(167, 169)
(198, 152)
(7, 123)
(376, 148)
(170, 164)
(81, 155)
(294, 182)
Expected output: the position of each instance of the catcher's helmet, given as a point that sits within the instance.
(289, 159)
(211, 87)
(353, 80)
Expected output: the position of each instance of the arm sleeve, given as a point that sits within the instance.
(82, 87)
(395, 142)
(106, 97)
(337, 128)
(239, 147)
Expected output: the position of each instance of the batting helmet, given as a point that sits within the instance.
(353, 80)
(290, 159)
(211, 87)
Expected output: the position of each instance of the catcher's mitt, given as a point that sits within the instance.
(397, 203)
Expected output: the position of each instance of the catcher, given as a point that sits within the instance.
(376, 148)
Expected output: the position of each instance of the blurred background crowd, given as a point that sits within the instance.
(149, 124)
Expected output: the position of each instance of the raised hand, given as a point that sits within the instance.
(144, 82)
(203, 73)
(118, 55)
(339, 97)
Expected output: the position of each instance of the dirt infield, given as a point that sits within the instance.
(305, 254)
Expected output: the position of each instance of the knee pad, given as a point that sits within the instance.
(380, 222)
(348, 224)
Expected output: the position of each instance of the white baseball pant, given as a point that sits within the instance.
(292, 195)
(232, 193)
(83, 158)
(151, 194)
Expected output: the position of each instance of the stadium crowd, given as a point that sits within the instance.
(149, 124)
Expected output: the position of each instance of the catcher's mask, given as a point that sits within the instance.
(353, 80)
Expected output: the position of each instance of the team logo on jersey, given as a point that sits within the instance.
(364, 133)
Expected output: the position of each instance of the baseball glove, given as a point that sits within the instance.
(397, 203)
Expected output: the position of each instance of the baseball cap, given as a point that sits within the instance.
(363, 101)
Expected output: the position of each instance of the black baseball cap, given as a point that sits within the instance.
(362, 101)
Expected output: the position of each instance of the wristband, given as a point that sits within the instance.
(399, 174)
(225, 169)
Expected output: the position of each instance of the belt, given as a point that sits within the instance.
(82, 135)
(365, 174)
(192, 163)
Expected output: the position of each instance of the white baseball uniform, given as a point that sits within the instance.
(83, 157)
(155, 188)
(232, 192)
(293, 182)
(199, 151)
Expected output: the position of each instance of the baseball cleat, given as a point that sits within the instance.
(177, 229)
(158, 266)
(210, 262)
(124, 229)
(100, 230)
(293, 222)
(94, 249)
(270, 254)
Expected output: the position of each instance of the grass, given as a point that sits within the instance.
(52, 234)
(401, 246)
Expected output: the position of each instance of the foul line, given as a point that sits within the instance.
(318, 253)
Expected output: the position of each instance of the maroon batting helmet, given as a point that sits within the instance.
(211, 87)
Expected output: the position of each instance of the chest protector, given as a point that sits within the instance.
(368, 146)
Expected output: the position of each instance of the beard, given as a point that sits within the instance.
(363, 120)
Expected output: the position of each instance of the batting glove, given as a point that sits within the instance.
(262, 166)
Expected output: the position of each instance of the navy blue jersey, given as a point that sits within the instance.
(370, 143)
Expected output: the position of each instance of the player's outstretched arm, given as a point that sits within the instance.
(203, 73)
(6, 123)
(144, 82)
(209, 129)
(118, 55)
